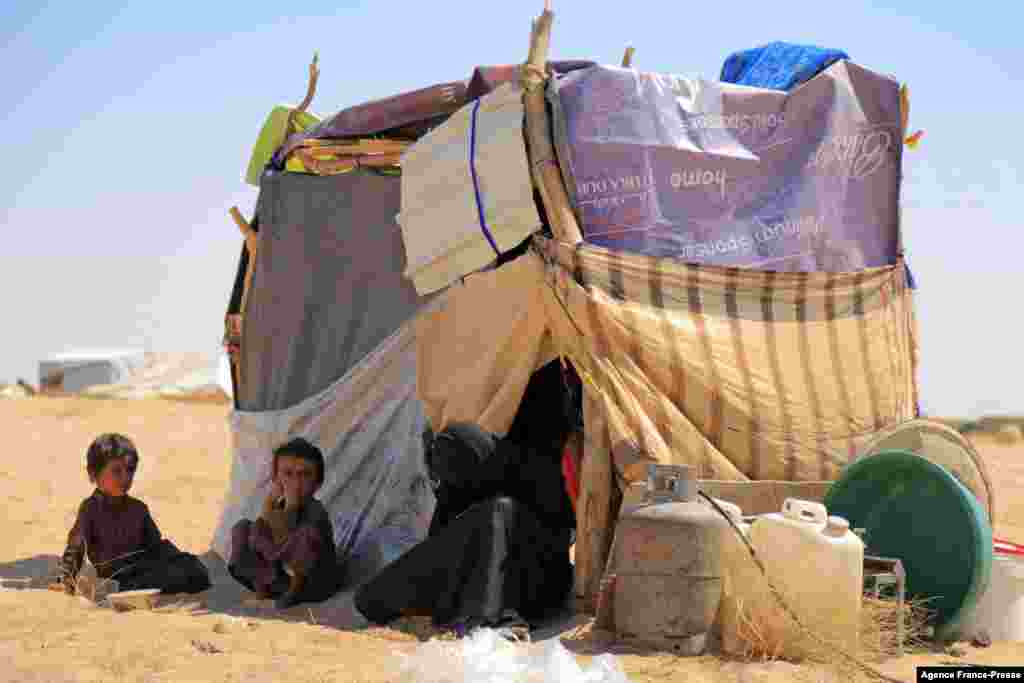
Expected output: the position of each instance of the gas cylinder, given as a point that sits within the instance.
(664, 574)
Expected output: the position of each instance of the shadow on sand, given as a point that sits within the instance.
(227, 597)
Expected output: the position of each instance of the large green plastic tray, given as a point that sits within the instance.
(915, 510)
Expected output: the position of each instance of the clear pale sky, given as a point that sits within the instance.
(127, 131)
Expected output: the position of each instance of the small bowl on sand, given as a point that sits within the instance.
(146, 598)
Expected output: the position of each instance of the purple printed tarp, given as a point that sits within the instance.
(419, 110)
(729, 175)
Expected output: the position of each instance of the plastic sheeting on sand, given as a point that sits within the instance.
(485, 656)
(369, 425)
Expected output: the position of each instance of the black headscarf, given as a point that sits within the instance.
(469, 465)
(551, 408)
(462, 457)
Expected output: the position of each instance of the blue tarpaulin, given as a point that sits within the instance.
(778, 65)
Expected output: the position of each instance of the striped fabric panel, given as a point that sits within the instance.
(628, 277)
(741, 374)
(782, 375)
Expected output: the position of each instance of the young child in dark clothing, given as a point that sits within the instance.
(118, 534)
(289, 552)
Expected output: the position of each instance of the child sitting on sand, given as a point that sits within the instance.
(118, 534)
(289, 552)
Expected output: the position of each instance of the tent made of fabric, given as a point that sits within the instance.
(327, 287)
(74, 370)
(328, 353)
(184, 376)
(326, 325)
(743, 374)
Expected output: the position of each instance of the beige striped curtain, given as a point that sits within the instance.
(742, 374)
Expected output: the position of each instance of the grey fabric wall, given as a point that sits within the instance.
(328, 285)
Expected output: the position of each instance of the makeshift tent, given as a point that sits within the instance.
(326, 334)
(73, 371)
(742, 373)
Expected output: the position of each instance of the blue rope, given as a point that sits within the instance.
(476, 183)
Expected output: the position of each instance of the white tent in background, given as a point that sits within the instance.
(185, 376)
(75, 370)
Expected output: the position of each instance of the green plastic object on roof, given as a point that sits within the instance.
(916, 511)
(272, 135)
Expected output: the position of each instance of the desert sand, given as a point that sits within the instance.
(185, 463)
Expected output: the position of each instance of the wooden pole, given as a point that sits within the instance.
(546, 174)
(593, 525)
(314, 76)
(251, 241)
(243, 226)
(627, 59)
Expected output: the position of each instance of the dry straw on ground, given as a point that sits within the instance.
(879, 634)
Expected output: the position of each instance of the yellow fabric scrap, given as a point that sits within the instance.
(910, 141)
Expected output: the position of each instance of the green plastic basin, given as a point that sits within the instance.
(916, 511)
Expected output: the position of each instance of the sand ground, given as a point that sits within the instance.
(47, 636)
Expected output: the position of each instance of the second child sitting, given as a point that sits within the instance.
(289, 552)
(118, 534)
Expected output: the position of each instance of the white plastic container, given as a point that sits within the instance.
(1000, 611)
(817, 564)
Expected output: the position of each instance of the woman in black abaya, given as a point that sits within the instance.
(498, 550)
